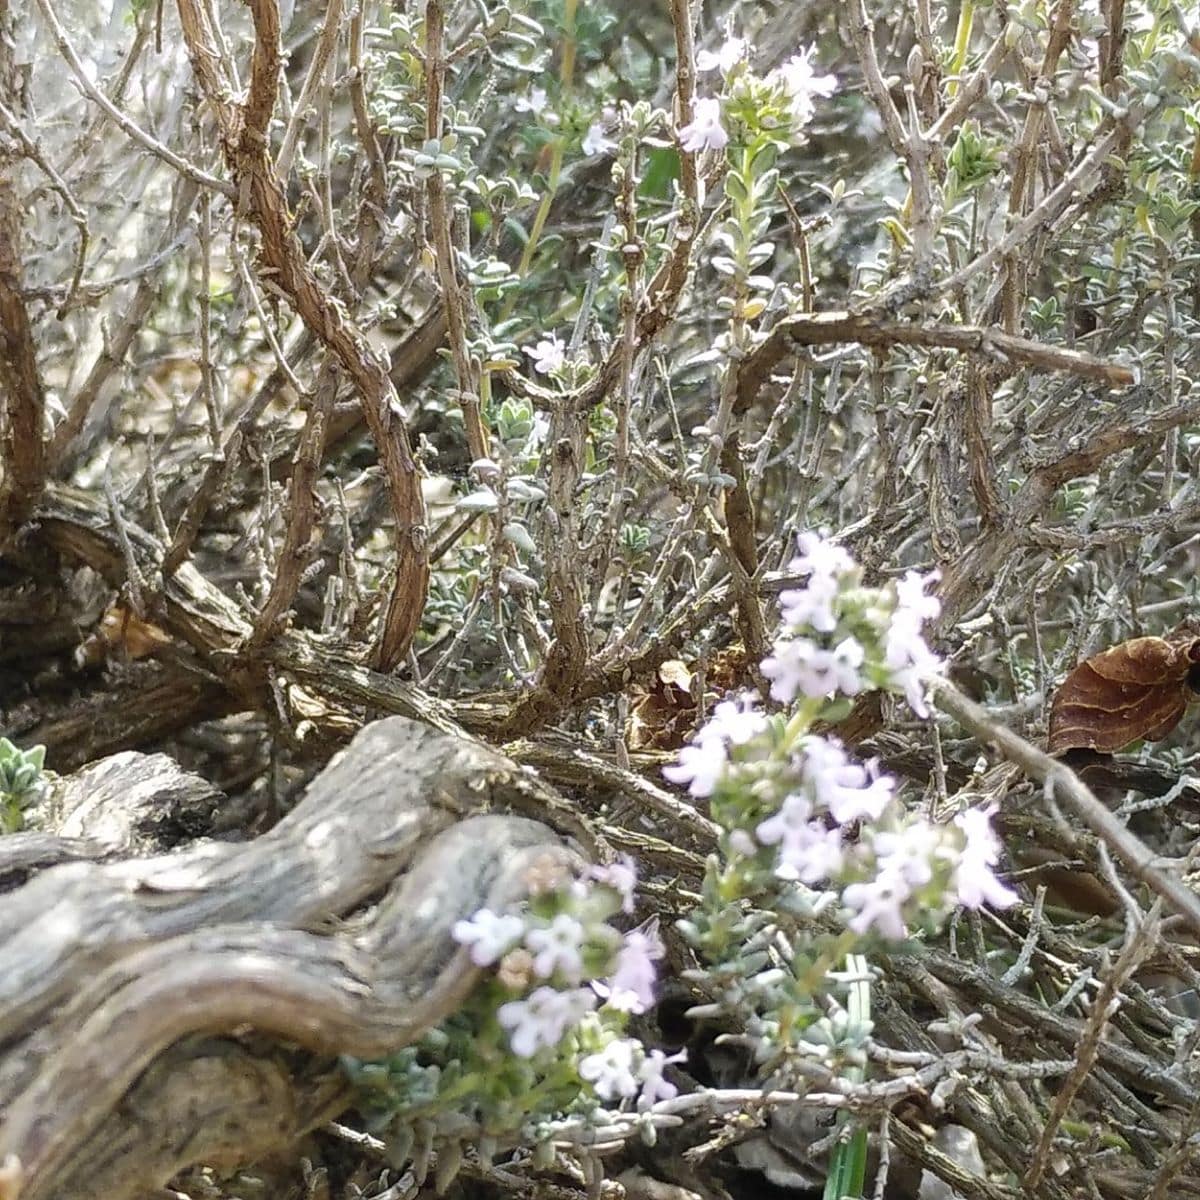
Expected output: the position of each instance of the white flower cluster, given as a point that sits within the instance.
(803, 85)
(795, 79)
(553, 951)
(907, 657)
(701, 765)
(630, 988)
(534, 101)
(835, 792)
(799, 666)
(895, 863)
(549, 354)
(906, 861)
(595, 141)
(543, 1017)
(704, 131)
(974, 880)
(624, 1069)
(809, 849)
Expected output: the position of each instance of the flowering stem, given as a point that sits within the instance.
(744, 209)
(800, 721)
(567, 70)
(962, 39)
(558, 147)
(848, 1162)
(539, 221)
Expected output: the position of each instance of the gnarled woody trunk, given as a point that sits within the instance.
(123, 981)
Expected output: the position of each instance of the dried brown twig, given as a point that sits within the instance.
(22, 449)
(832, 328)
(259, 190)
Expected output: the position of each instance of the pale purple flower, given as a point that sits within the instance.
(908, 659)
(980, 837)
(911, 597)
(878, 903)
(489, 936)
(808, 851)
(802, 84)
(789, 667)
(549, 354)
(844, 787)
(543, 1018)
(977, 885)
(821, 856)
(799, 666)
(906, 654)
(555, 947)
(904, 865)
(534, 102)
(794, 815)
(621, 876)
(811, 606)
(732, 51)
(704, 131)
(909, 853)
(974, 880)
(825, 563)
(594, 141)
(820, 558)
(740, 842)
(847, 657)
(654, 1086)
(734, 721)
(537, 435)
(611, 1071)
(631, 988)
(700, 766)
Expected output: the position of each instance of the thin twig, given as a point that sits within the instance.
(1068, 788)
(126, 123)
(34, 153)
(300, 539)
(840, 328)
(283, 268)
(322, 55)
(454, 295)
(1139, 942)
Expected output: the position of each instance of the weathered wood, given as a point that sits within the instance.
(216, 1101)
(22, 854)
(136, 803)
(145, 703)
(124, 805)
(104, 968)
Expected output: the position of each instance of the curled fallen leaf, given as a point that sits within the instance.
(664, 712)
(1138, 689)
(121, 632)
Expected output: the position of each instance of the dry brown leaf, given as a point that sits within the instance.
(1138, 689)
(123, 633)
(729, 670)
(662, 714)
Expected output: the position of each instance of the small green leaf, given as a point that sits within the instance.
(483, 500)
